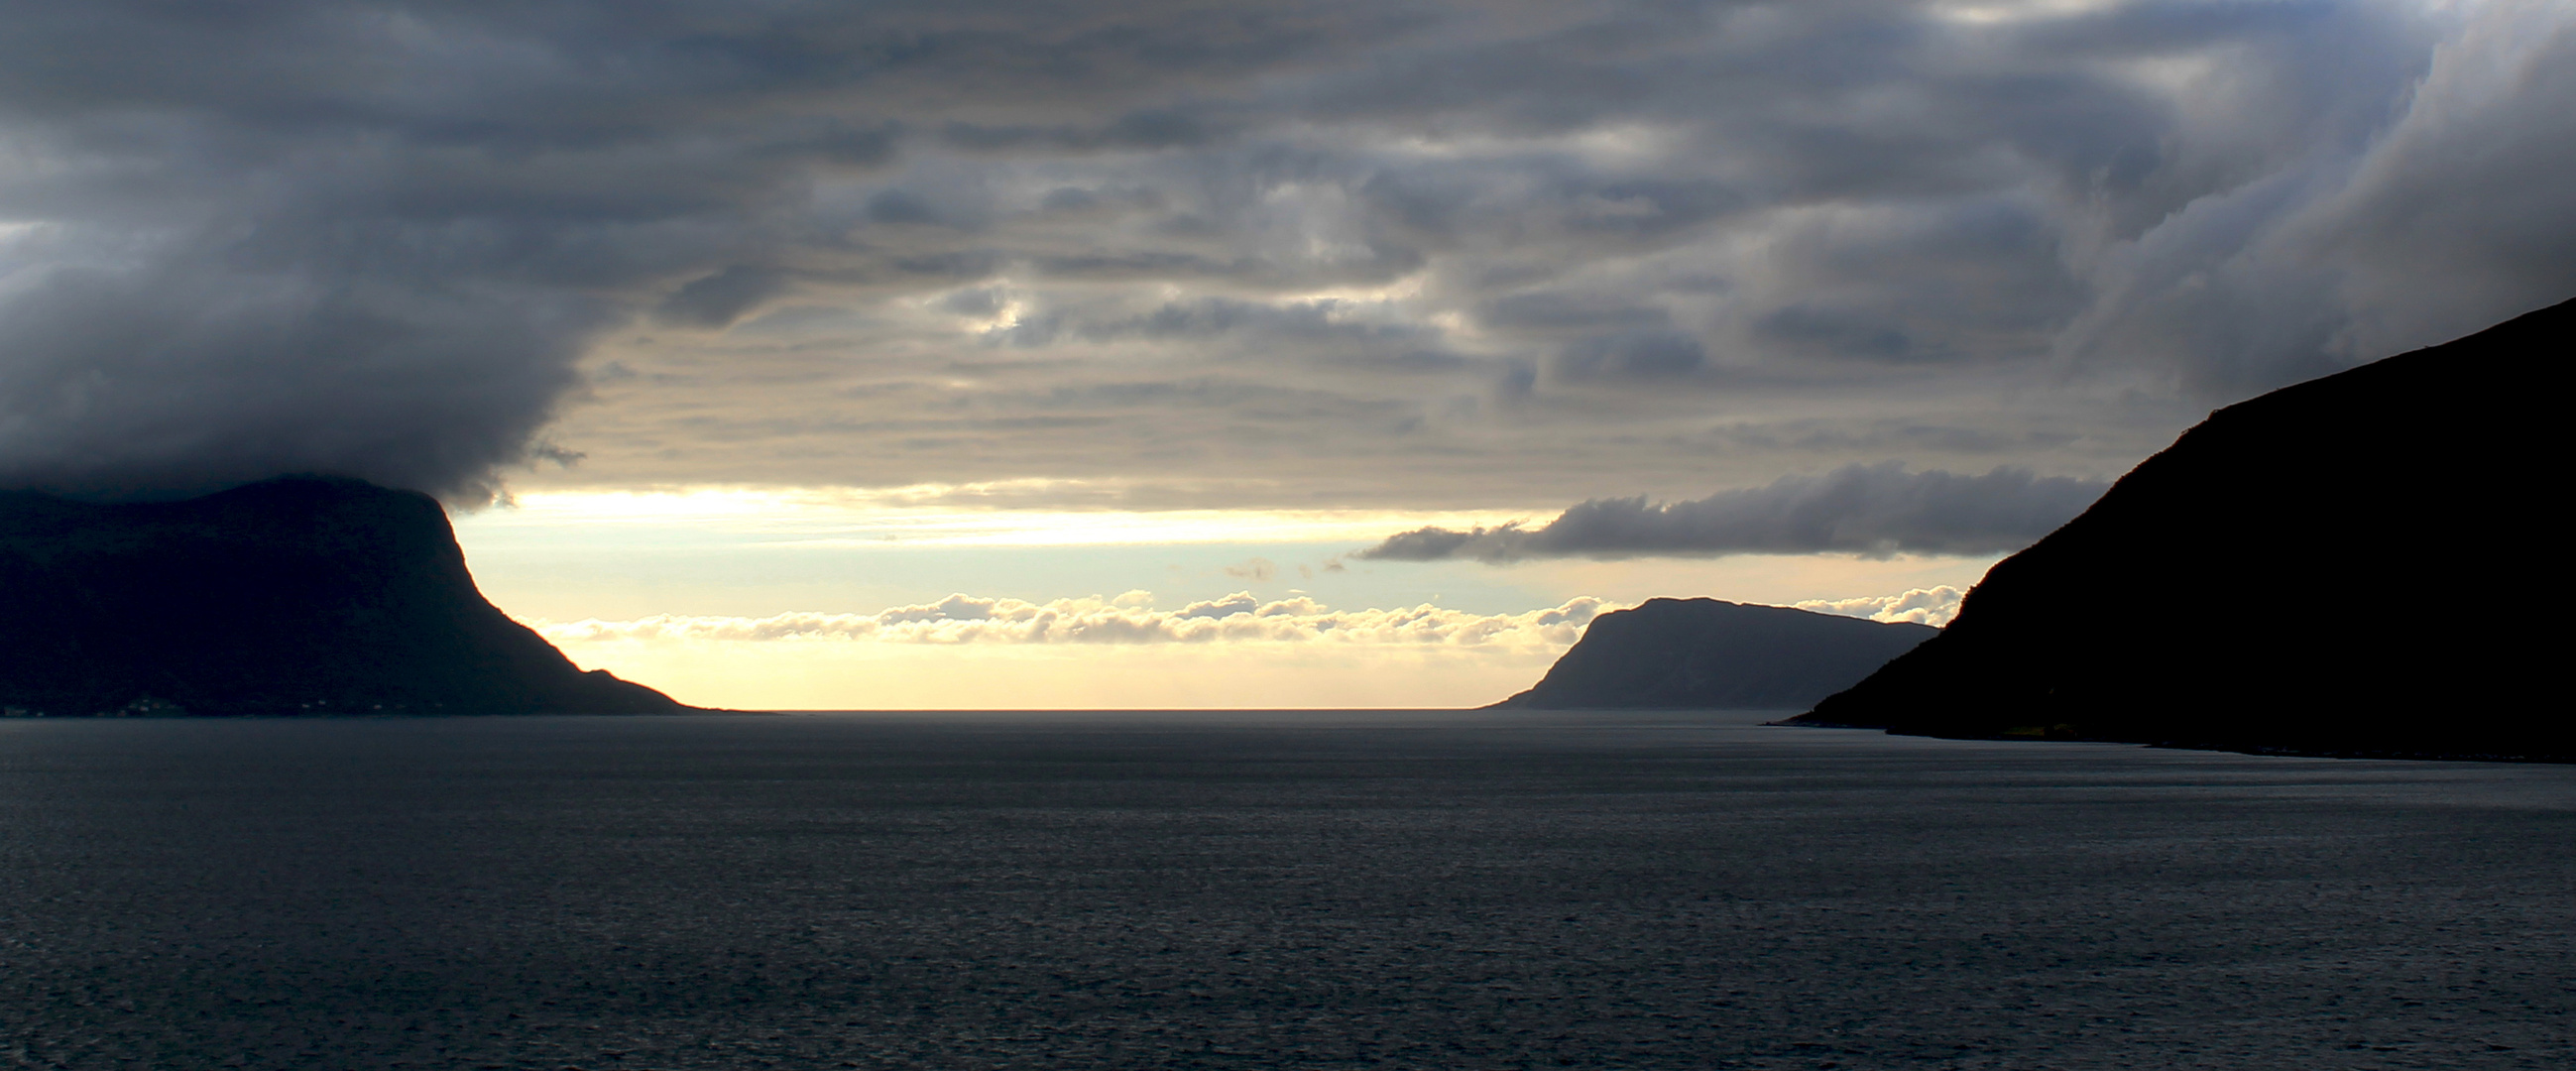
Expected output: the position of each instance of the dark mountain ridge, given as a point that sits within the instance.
(294, 595)
(1705, 654)
(2331, 568)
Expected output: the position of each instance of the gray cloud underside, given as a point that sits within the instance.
(1869, 509)
(1398, 252)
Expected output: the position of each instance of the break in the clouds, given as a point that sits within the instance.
(1423, 252)
(1127, 619)
(1868, 509)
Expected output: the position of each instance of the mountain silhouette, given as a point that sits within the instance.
(2338, 567)
(310, 595)
(1704, 654)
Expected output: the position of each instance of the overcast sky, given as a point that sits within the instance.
(1943, 267)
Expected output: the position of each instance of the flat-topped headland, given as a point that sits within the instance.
(299, 595)
(1708, 654)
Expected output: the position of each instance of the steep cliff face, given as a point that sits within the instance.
(2337, 567)
(297, 595)
(1703, 654)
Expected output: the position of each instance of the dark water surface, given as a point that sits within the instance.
(1292, 890)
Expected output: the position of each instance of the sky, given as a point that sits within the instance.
(1171, 354)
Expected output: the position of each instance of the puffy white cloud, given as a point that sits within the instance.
(1933, 606)
(1126, 619)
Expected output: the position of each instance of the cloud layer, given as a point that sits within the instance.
(1131, 619)
(1127, 619)
(1923, 606)
(1429, 253)
(1870, 509)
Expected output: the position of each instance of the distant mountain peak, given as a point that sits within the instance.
(1708, 654)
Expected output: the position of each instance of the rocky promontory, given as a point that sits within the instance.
(1705, 654)
(301, 595)
(2341, 567)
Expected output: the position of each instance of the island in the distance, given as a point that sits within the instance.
(299, 595)
(1705, 654)
(2348, 566)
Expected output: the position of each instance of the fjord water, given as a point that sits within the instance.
(1276, 890)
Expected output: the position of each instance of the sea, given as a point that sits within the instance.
(1283, 889)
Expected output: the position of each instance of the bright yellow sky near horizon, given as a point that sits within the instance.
(830, 600)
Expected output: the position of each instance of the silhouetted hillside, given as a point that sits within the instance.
(1703, 654)
(298, 595)
(2337, 567)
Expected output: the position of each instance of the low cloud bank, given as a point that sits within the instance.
(1127, 619)
(1871, 509)
(1922, 606)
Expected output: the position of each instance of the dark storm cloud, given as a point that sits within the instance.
(381, 238)
(1870, 509)
(188, 377)
(1634, 353)
(1321, 330)
(376, 238)
(721, 298)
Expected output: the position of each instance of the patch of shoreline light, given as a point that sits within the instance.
(1013, 513)
(1125, 619)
